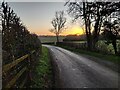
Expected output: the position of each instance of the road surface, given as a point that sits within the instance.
(76, 71)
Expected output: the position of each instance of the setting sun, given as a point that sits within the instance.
(77, 30)
(73, 30)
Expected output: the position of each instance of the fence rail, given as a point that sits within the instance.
(11, 83)
(8, 83)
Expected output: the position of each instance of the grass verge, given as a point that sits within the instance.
(43, 71)
(113, 58)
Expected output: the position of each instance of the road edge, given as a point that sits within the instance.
(55, 70)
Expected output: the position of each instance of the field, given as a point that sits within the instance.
(76, 42)
(101, 46)
(46, 39)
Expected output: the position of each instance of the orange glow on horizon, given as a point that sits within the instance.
(74, 30)
(77, 30)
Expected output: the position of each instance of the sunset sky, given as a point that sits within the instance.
(37, 16)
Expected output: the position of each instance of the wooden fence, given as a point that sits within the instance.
(17, 42)
(17, 74)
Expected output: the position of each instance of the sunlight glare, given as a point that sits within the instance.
(77, 30)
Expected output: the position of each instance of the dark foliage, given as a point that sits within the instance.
(16, 39)
(93, 14)
(17, 42)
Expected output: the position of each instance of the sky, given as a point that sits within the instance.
(37, 16)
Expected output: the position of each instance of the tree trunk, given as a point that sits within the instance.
(114, 46)
(96, 28)
(96, 32)
(89, 43)
(88, 35)
(87, 28)
(57, 37)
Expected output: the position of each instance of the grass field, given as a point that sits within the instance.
(45, 39)
(77, 41)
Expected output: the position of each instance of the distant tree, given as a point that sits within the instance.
(58, 23)
(74, 37)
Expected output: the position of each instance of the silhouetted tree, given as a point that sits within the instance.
(111, 32)
(82, 10)
(16, 39)
(101, 11)
(58, 23)
(93, 14)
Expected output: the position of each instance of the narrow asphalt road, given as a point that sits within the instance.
(76, 71)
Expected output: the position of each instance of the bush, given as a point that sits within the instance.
(110, 49)
(104, 48)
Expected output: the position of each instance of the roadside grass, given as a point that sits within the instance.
(43, 71)
(113, 58)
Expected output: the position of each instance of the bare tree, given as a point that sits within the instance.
(82, 10)
(92, 14)
(58, 23)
